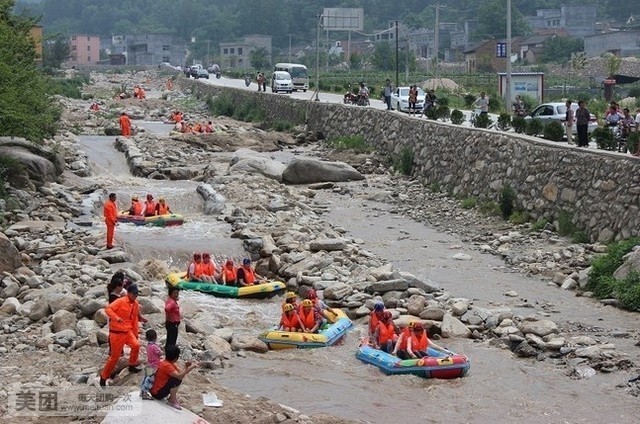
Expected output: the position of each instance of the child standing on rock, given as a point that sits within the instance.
(154, 355)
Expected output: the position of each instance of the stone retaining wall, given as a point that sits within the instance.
(598, 189)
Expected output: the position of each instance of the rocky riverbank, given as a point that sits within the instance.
(55, 270)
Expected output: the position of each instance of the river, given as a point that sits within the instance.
(499, 387)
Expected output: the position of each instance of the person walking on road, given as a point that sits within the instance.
(123, 330)
(110, 212)
(388, 89)
(582, 124)
(568, 122)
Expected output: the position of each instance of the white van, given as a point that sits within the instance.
(281, 81)
(298, 72)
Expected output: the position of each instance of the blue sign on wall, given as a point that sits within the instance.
(501, 49)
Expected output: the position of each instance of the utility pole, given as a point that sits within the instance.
(318, 58)
(436, 42)
(328, 48)
(507, 91)
(289, 47)
(397, 58)
(207, 61)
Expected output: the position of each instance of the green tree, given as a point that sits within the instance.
(492, 20)
(560, 49)
(383, 57)
(260, 58)
(355, 61)
(55, 51)
(26, 108)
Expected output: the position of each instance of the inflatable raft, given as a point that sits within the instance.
(328, 336)
(436, 365)
(166, 220)
(257, 291)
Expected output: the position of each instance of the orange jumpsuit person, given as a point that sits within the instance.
(125, 125)
(123, 316)
(110, 212)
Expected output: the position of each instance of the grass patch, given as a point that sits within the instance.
(282, 126)
(580, 237)
(604, 285)
(566, 227)
(507, 201)
(539, 224)
(404, 162)
(469, 203)
(435, 187)
(519, 217)
(225, 106)
(353, 142)
(489, 208)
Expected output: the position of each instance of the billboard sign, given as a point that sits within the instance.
(342, 19)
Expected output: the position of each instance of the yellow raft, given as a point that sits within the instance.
(257, 291)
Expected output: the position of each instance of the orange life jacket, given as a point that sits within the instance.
(385, 332)
(290, 321)
(197, 270)
(136, 208)
(373, 322)
(229, 272)
(308, 319)
(404, 338)
(208, 269)
(149, 208)
(249, 276)
(162, 209)
(419, 344)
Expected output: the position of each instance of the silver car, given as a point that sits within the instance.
(281, 81)
(548, 112)
(400, 99)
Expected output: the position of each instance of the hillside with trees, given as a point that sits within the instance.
(224, 20)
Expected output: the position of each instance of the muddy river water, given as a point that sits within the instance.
(498, 389)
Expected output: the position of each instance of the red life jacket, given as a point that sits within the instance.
(208, 269)
(229, 272)
(162, 209)
(419, 344)
(373, 322)
(308, 319)
(291, 321)
(136, 208)
(249, 275)
(385, 332)
(197, 270)
(149, 208)
(404, 338)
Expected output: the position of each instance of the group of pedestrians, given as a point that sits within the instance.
(162, 377)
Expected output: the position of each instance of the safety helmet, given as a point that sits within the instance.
(307, 302)
(246, 261)
(134, 197)
(378, 306)
(161, 200)
(288, 307)
(291, 295)
(411, 324)
(311, 294)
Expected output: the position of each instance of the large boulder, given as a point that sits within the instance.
(308, 171)
(540, 328)
(214, 202)
(250, 161)
(251, 343)
(453, 327)
(10, 258)
(63, 320)
(217, 344)
(42, 164)
(10, 306)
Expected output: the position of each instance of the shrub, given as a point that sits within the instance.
(482, 121)
(354, 142)
(443, 101)
(579, 237)
(282, 126)
(457, 117)
(627, 291)
(601, 281)
(221, 105)
(633, 141)
(534, 127)
(553, 131)
(469, 203)
(443, 113)
(604, 138)
(10, 169)
(634, 92)
(519, 217)
(469, 99)
(504, 121)
(507, 201)
(248, 112)
(519, 124)
(495, 103)
(435, 187)
(432, 113)
(68, 87)
(404, 163)
(566, 226)
(489, 208)
(539, 224)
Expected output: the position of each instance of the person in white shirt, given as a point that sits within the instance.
(568, 122)
(482, 103)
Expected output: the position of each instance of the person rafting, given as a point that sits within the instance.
(208, 269)
(384, 336)
(418, 343)
(325, 311)
(400, 349)
(246, 275)
(309, 317)
(290, 320)
(149, 206)
(162, 208)
(291, 298)
(194, 270)
(136, 207)
(229, 273)
(375, 316)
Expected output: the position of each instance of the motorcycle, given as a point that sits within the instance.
(247, 81)
(350, 98)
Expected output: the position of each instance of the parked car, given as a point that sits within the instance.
(400, 99)
(548, 112)
(281, 81)
(201, 73)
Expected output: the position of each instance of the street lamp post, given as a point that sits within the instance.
(507, 91)
(317, 99)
